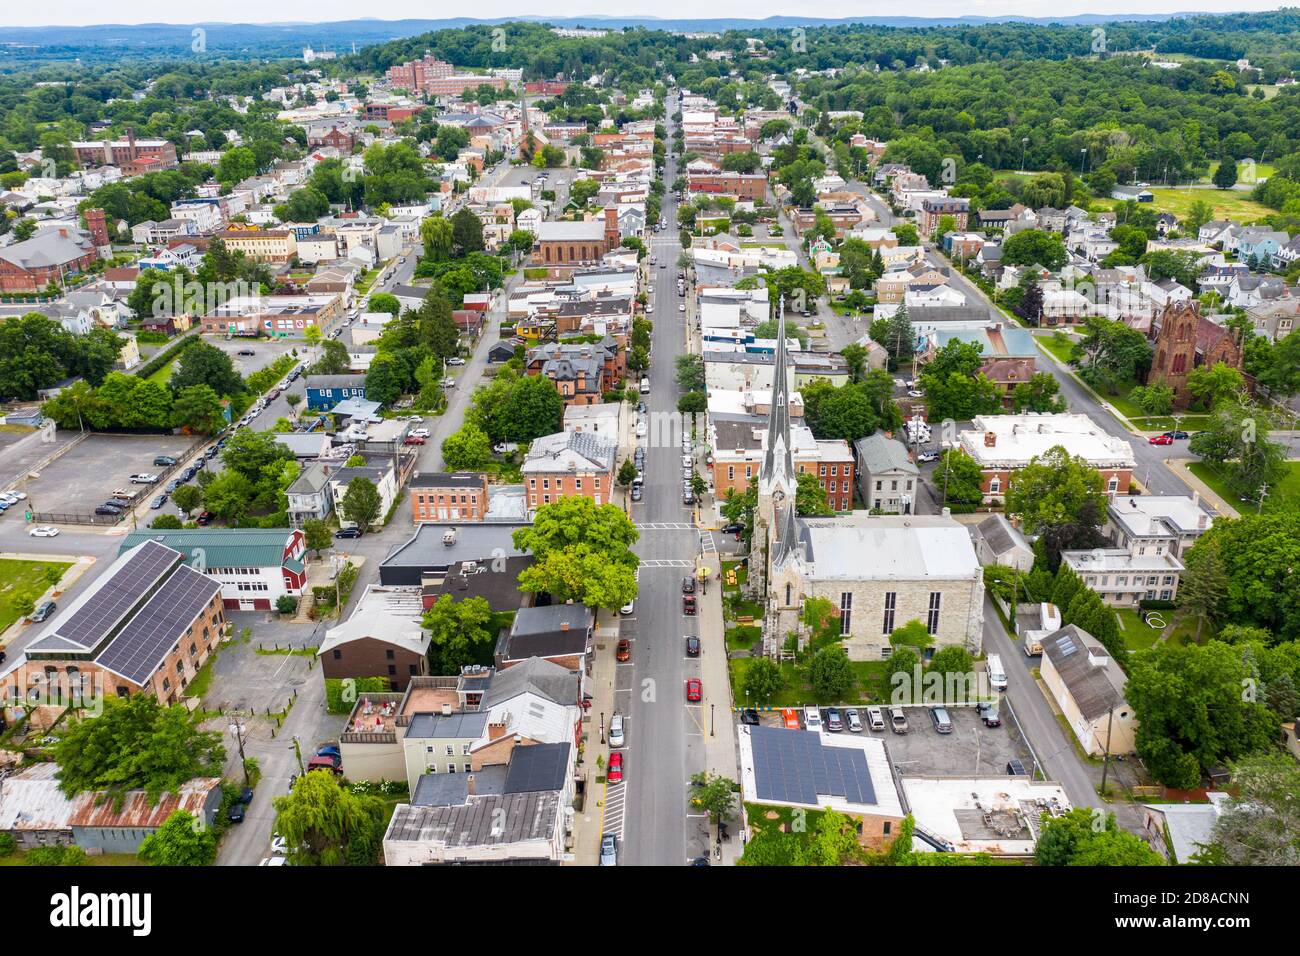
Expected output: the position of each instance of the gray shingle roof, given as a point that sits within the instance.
(877, 454)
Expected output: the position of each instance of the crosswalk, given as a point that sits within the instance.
(664, 526)
(707, 544)
(666, 563)
(615, 808)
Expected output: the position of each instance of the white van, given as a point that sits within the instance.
(997, 676)
(645, 386)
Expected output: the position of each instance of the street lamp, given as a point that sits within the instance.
(1024, 145)
(1083, 154)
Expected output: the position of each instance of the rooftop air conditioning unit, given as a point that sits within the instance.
(449, 537)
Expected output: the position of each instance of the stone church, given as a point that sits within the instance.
(1184, 340)
(878, 571)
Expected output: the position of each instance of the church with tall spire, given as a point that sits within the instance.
(877, 571)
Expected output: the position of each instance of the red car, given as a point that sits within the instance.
(1161, 440)
(615, 774)
(414, 440)
(688, 604)
(694, 690)
(624, 651)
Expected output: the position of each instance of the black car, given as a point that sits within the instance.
(105, 510)
(164, 460)
(236, 813)
(688, 585)
(1178, 436)
(212, 452)
(246, 795)
(348, 533)
(158, 502)
(692, 645)
(42, 611)
(734, 528)
(749, 716)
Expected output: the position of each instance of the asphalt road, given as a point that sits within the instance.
(665, 734)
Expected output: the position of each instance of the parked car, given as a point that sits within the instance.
(455, 360)
(158, 502)
(236, 813)
(987, 711)
(688, 585)
(624, 651)
(44, 531)
(143, 478)
(105, 510)
(1160, 440)
(853, 720)
(413, 440)
(692, 646)
(789, 718)
(204, 518)
(749, 716)
(323, 763)
(876, 718)
(628, 608)
(942, 722)
(609, 850)
(164, 461)
(927, 456)
(897, 720)
(688, 604)
(812, 718)
(616, 738)
(734, 528)
(615, 772)
(834, 722)
(42, 611)
(348, 533)
(694, 690)
(1178, 436)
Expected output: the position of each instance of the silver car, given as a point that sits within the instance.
(609, 850)
(853, 720)
(616, 738)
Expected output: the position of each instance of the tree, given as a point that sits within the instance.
(466, 232)
(1052, 489)
(361, 503)
(763, 680)
(1215, 383)
(250, 453)
(582, 551)
(900, 336)
(1033, 247)
(900, 669)
(1235, 441)
(384, 302)
(715, 795)
(334, 359)
(1261, 826)
(1111, 353)
(1198, 214)
(1080, 838)
(693, 403)
(855, 356)
(1260, 555)
(182, 840)
(1225, 174)
(467, 449)
(1154, 399)
(1203, 584)
(166, 523)
(953, 659)
(626, 472)
(830, 674)
(325, 824)
(960, 480)
(690, 373)
(436, 235)
(188, 498)
(1192, 712)
(1030, 306)
(1040, 394)
(198, 409)
(461, 633)
(810, 498)
(316, 534)
(136, 744)
(204, 364)
(1280, 372)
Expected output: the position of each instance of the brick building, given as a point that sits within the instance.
(569, 464)
(32, 265)
(576, 243)
(448, 496)
(751, 186)
(133, 156)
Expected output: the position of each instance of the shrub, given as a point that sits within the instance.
(286, 604)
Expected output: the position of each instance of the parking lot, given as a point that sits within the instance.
(87, 475)
(265, 351)
(971, 748)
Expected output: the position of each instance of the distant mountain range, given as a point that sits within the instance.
(280, 38)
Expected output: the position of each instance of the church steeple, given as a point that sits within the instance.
(777, 473)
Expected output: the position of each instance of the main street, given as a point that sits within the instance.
(666, 735)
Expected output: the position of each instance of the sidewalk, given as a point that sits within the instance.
(721, 754)
(589, 825)
(1179, 467)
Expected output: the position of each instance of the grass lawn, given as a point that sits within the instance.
(164, 374)
(1283, 496)
(19, 579)
(1179, 629)
(870, 685)
(1164, 423)
(1262, 170)
(1227, 204)
(18, 857)
(1060, 350)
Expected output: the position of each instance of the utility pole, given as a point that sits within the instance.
(1105, 760)
(237, 729)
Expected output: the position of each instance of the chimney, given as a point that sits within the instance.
(564, 625)
(990, 439)
(611, 227)
(1202, 520)
(446, 710)
(947, 512)
(470, 786)
(1196, 498)
(130, 142)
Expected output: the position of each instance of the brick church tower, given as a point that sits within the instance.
(1186, 340)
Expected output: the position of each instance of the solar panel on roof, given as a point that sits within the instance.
(106, 607)
(1066, 645)
(793, 766)
(143, 642)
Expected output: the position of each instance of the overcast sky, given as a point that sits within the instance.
(82, 12)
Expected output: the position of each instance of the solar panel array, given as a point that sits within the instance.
(793, 766)
(104, 609)
(1066, 645)
(138, 648)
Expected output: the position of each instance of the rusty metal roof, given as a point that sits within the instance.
(137, 811)
(32, 800)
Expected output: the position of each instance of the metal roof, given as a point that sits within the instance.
(137, 812)
(220, 547)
